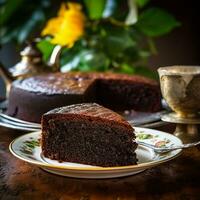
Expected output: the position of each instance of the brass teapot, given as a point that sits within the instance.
(31, 63)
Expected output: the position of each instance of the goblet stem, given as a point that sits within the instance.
(187, 132)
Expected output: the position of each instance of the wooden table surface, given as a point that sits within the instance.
(178, 179)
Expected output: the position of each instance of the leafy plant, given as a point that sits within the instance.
(118, 35)
(23, 19)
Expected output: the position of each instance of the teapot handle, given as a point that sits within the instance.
(54, 61)
(7, 77)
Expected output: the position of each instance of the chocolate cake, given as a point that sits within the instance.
(32, 97)
(88, 134)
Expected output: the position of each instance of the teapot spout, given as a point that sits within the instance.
(5, 74)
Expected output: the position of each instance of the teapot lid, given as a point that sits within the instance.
(31, 50)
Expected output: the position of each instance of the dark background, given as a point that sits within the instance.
(180, 47)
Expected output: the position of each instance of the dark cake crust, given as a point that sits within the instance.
(89, 110)
(57, 83)
(31, 97)
(88, 134)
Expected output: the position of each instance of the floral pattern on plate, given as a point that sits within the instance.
(27, 148)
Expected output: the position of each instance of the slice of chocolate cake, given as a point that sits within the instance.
(88, 134)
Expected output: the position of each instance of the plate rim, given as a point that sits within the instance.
(96, 168)
(10, 126)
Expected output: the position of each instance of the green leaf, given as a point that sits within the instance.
(130, 55)
(116, 41)
(87, 60)
(46, 48)
(95, 8)
(35, 19)
(6, 36)
(144, 54)
(8, 9)
(125, 68)
(18, 21)
(92, 60)
(70, 56)
(142, 3)
(156, 22)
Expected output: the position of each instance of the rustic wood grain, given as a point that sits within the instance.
(175, 180)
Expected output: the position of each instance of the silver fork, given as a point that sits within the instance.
(168, 149)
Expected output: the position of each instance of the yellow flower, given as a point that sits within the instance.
(67, 27)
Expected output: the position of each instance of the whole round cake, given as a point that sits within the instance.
(31, 97)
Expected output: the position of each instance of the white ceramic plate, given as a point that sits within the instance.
(16, 127)
(27, 148)
(17, 124)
